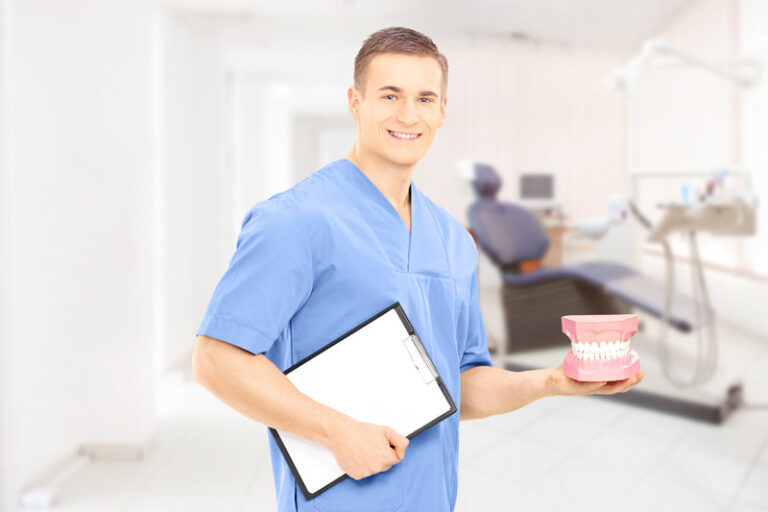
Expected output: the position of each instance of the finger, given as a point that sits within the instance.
(393, 457)
(612, 389)
(395, 438)
(399, 452)
(587, 388)
(397, 441)
(631, 382)
(608, 388)
(621, 386)
(634, 382)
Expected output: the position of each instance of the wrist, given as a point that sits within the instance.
(335, 428)
(548, 382)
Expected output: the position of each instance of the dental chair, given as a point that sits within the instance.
(535, 300)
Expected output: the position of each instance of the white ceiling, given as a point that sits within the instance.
(603, 25)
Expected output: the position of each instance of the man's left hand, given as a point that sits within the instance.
(560, 384)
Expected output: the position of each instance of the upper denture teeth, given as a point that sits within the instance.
(600, 350)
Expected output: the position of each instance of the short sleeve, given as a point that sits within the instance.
(269, 278)
(476, 348)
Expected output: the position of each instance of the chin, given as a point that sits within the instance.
(404, 161)
(409, 158)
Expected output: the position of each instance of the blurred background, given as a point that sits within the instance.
(616, 140)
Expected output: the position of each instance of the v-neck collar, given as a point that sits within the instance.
(420, 250)
(380, 194)
(392, 232)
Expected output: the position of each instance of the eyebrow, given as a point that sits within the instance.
(398, 90)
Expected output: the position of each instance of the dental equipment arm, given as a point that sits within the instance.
(658, 53)
(487, 391)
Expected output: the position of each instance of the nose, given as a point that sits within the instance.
(407, 114)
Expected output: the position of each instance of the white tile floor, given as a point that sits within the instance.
(574, 454)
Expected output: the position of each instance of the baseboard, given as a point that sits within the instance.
(42, 492)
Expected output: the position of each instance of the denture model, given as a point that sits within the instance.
(600, 348)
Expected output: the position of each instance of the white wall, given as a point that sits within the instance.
(753, 42)
(686, 118)
(6, 273)
(196, 216)
(522, 108)
(77, 360)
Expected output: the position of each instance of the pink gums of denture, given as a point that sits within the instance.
(597, 328)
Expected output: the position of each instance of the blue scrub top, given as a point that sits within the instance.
(318, 259)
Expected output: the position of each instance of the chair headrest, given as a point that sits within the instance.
(508, 233)
(487, 181)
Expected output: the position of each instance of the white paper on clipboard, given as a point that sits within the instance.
(381, 374)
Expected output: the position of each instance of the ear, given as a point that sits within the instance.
(353, 99)
(443, 104)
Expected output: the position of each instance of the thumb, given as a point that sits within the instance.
(397, 441)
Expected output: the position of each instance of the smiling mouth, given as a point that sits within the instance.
(403, 135)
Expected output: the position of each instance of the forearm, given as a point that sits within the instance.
(255, 387)
(486, 390)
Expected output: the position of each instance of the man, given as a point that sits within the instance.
(318, 259)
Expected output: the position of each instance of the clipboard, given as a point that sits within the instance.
(378, 372)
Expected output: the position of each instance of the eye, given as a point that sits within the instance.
(426, 100)
(389, 96)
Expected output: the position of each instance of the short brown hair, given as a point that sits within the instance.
(397, 40)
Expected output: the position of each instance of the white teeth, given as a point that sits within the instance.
(602, 351)
(403, 135)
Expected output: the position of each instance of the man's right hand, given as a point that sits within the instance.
(364, 449)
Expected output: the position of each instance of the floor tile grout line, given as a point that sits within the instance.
(519, 427)
(653, 465)
(161, 460)
(141, 482)
(751, 468)
(568, 453)
(501, 430)
(677, 440)
(263, 458)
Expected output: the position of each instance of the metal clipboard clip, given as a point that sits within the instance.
(420, 359)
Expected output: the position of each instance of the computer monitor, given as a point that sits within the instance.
(537, 186)
(537, 192)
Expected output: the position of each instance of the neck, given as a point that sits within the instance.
(392, 179)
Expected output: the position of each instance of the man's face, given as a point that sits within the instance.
(401, 109)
